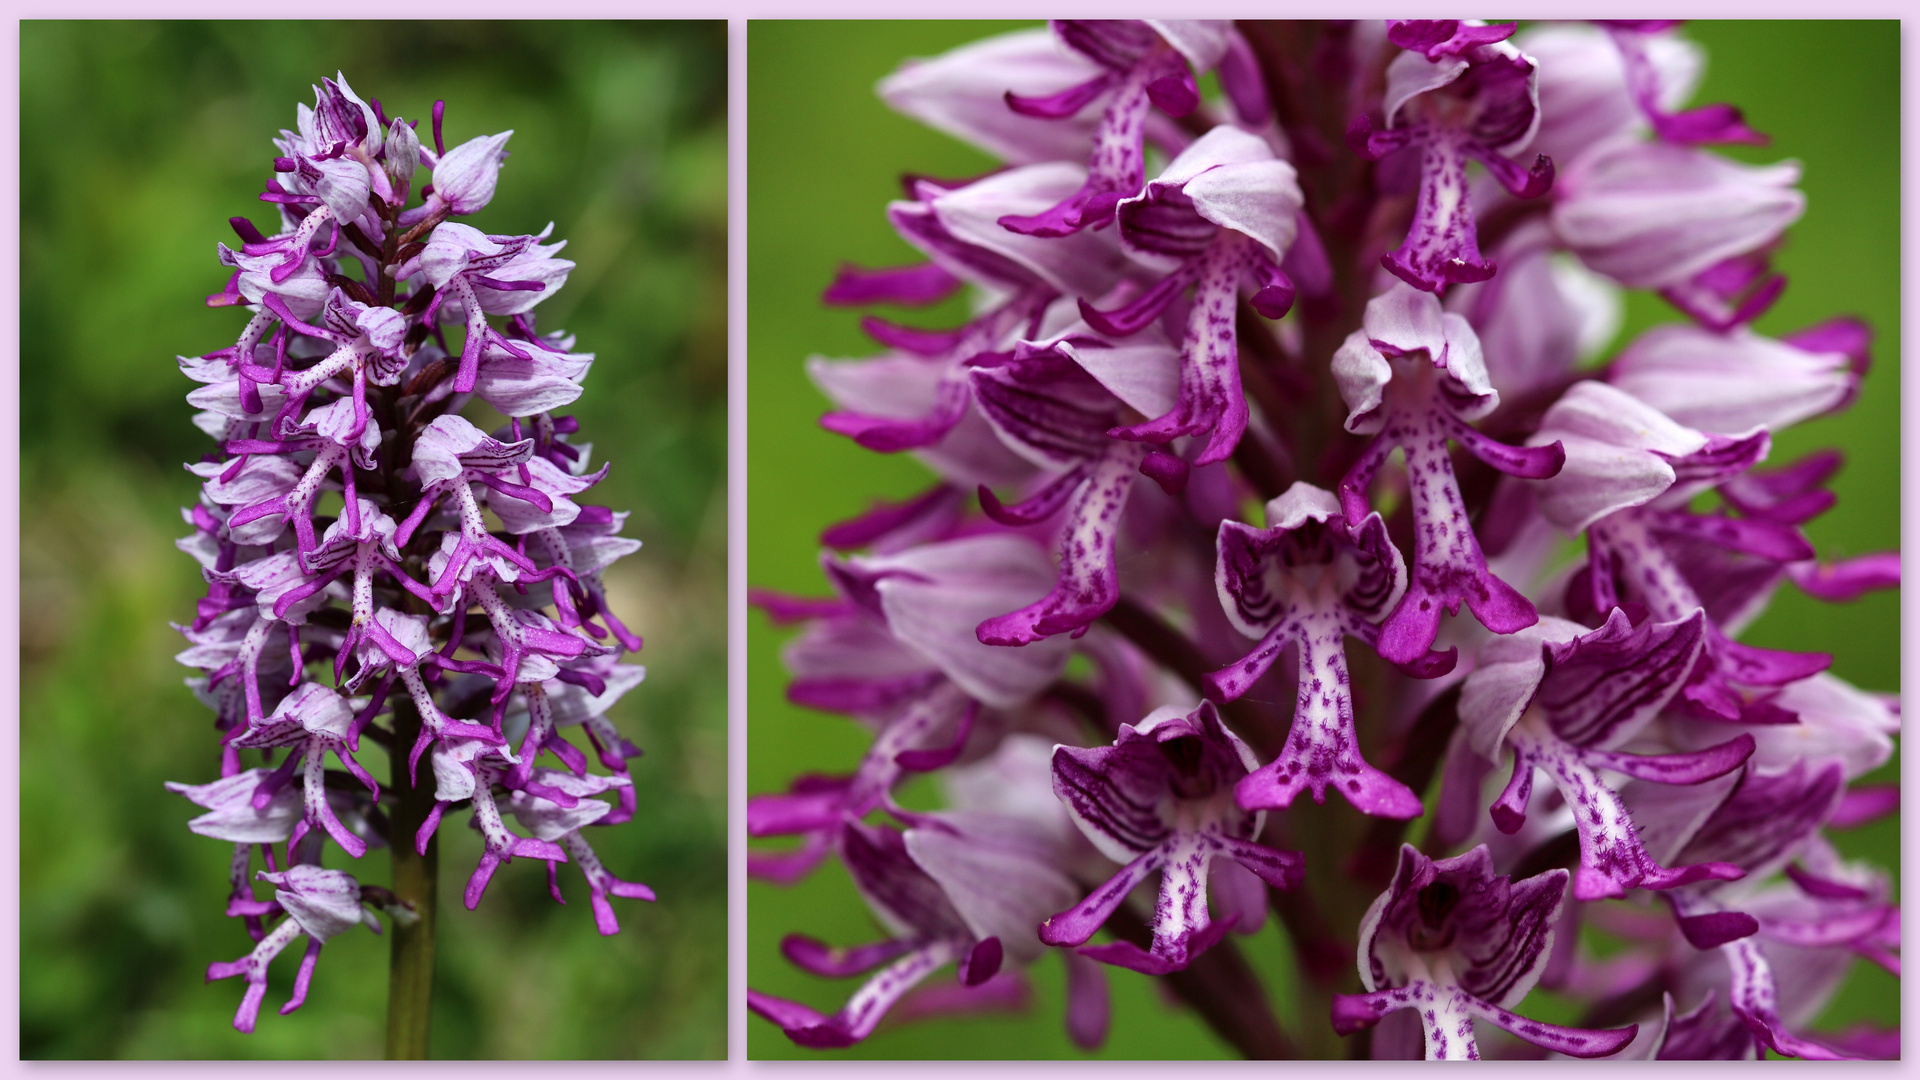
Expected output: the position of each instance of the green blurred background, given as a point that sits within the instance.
(138, 141)
(825, 157)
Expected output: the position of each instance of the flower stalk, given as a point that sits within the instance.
(416, 888)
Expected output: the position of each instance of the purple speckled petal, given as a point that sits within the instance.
(1526, 462)
(1211, 401)
(1772, 540)
(1132, 957)
(1691, 768)
(862, 1012)
(1764, 667)
(1234, 680)
(1088, 582)
(1448, 566)
(1322, 750)
(1079, 922)
(1574, 1042)
(1753, 998)
(1117, 165)
(1280, 869)
(1180, 913)
(1442, 246)
(1612, 858)
(1357, 1012)
(1446, 1024)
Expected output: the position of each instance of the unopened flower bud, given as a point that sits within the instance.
(403, 154)
(465, 177)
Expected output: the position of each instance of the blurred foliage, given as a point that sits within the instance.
(826, 156)
(138, 141)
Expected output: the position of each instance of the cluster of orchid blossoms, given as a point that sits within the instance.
(351, 522)
(1403, 236)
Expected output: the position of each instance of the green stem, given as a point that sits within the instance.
(416, 883)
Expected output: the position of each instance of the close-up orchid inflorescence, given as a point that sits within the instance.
(1298, 545)
(393, 552)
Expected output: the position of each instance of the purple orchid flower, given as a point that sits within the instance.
(475, 275)
(554, 806)
(1454, 941)
(1563, 699)
(1630, 471)
(1413, 377)
(899, 653)
(957, 228)
(1311, 579)
(1144, 63)
(905, 879)
(320, 904)
(1044, 403)
(311, 721)
(1760, 824)
(1222, 216)
(1160, 798)
(1466, 96)
(450, 456)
